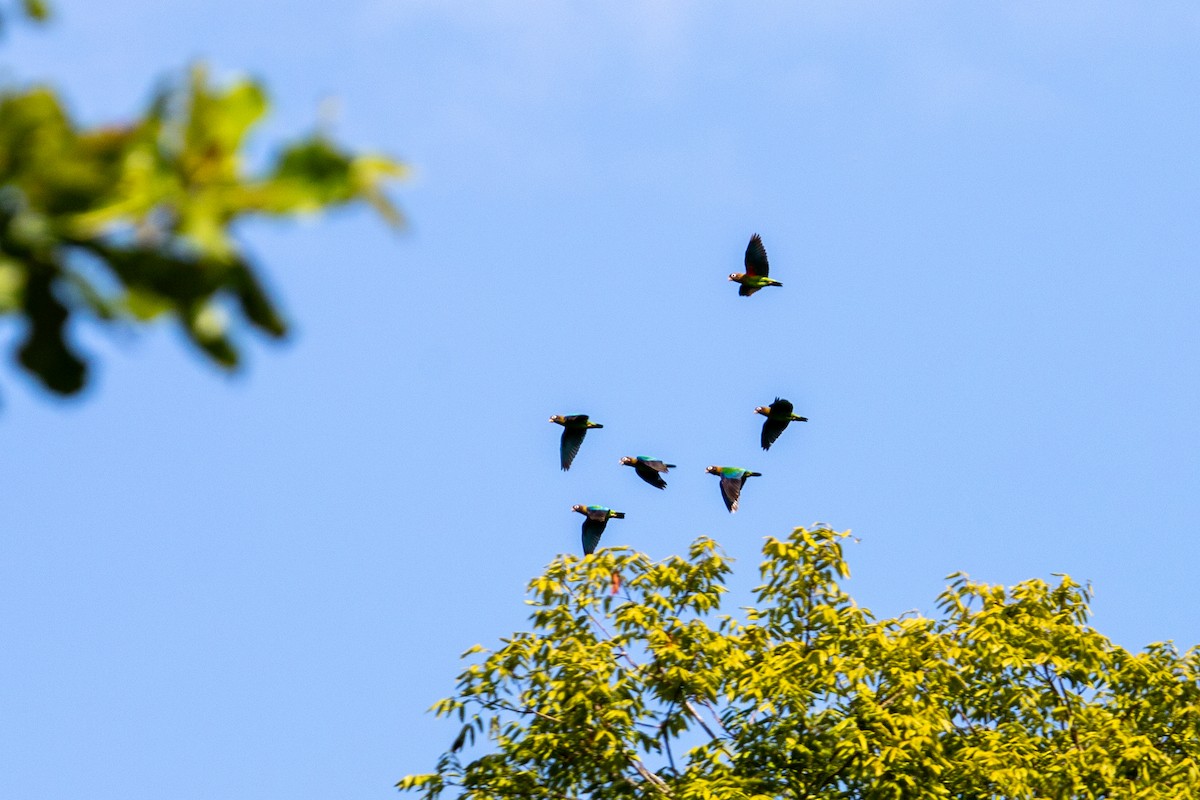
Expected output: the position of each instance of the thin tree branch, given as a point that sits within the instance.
(662, 729)
(716, 717)
(1061, 697)
(717, 740)
(502, 706)
(833, 776)
(645, 772)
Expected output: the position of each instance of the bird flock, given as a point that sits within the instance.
(779, 415)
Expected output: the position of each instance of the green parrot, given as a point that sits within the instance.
(755, 276)
(575, 427)
(732, 480)
(597, 518)
(778, 415)
(648, 469)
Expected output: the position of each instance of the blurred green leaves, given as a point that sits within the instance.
(136, 222)
(652, 692)
(33, 10)
(36, 9)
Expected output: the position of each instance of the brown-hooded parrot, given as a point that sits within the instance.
(575, 427)
(757, 268)
(778, 415)
(732, 481)
(648, 469)
(595, 520)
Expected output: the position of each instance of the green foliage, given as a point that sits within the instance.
(33, 10)
(135, 222)
(654, 692)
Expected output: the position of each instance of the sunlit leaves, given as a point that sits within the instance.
(151, 209)
(653, 692)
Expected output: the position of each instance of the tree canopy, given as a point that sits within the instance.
(133, 222)
(649, 690)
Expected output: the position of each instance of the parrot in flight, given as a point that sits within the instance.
(757, 269)
(575, 427)
(648, 469)
(778, 415)
(596, 519)
(732, 481)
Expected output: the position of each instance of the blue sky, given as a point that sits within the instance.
(984, 216)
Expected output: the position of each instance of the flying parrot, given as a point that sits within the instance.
(648, 469)
(597, 518)
(732, 480)
(575, 427)
(778, 415)
(755, 276)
